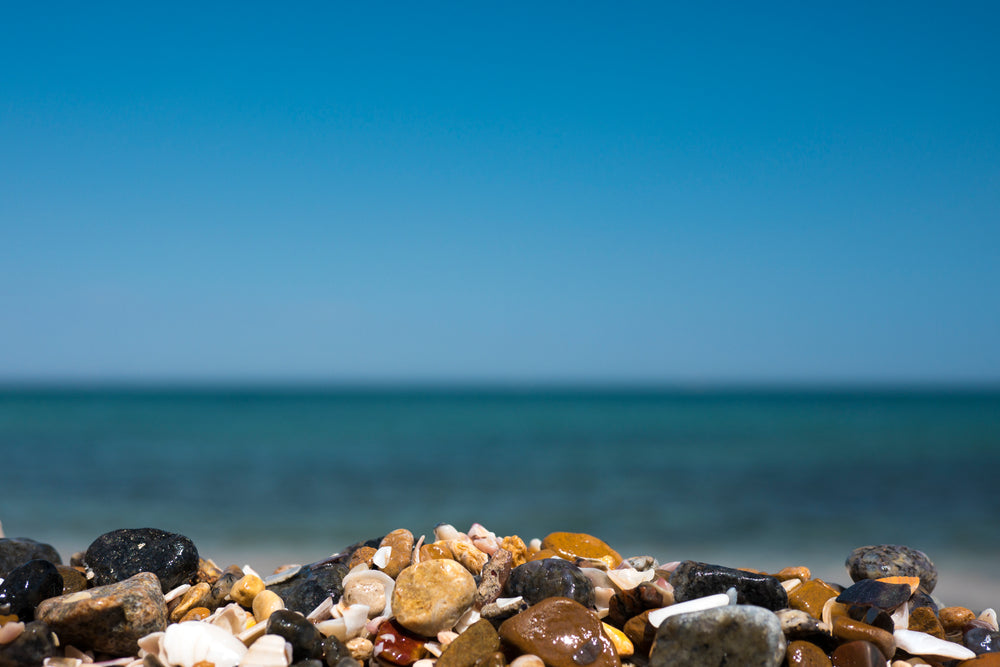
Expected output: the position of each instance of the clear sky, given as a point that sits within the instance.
(689, 192)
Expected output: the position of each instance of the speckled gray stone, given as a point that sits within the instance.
(549, 578)
(892, 560)
(30, 648)
(742, 635)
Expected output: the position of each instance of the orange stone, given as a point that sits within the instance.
(517, 548)
(811, 596)
(435, 551)
(953, 619)
(850, 630)
(806, 654)
(912, 582)
(196, 614)
(543, 554)
(362, 556)
(801, 573)
(923, 619)
(984, 660)
(581, 545)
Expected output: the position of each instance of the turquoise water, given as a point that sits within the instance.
(309, 471)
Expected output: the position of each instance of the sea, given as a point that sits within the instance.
(747, 477)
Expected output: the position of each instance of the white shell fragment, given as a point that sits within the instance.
(989, 615)
(921, 643)
(284, 575)
(190, 642)
(176, 592)
(657, 616)
(351, 623)
(382, 556)
(268, 651)
(628, 578)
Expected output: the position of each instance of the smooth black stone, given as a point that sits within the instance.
(334, 650)
(873, 616)
(124, 553)
(16, 551)
(692, 580)
(548, 578)
(871, 593)
(30, 648)
(313, 584)
(981, 640)
(892, 560)
(25, 587)
(345, 662)
(306, 640)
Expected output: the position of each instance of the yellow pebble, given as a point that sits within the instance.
(266, 603)
(246, 589)
(195, 597)
(517, 548)
(196, 614)
(623, 646)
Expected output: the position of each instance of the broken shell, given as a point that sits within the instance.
(602, 600)
(657, 616)
(484, 540)
(467, 619)
(232, 618)
(628, 578)
(989, 616)
(175, 593)
(193, 641)
(322, 611)
(469, 556)
(791, 584)
(10, 631)
(350, 625)
(268, 651)
(285, 574)
(381, 557)
(446, 531)
(921, 643)
(371, 588)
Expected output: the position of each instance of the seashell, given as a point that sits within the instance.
(465, 620)
(434, 648)
(535, 545)
(901, 617)
(657, 616)
(602, 600)
(668, 568)
(921, 643)
(424, 662)
(446, 531)
(469, 556)
(252, 633)
(322, 611)
(641, 563)
(989, 616)
(832, 608)
(527, 660)
(371, 588)
(482, 539)
(446, 637)
(597, 576)
(350, 625)
(11, 631)
(381, 557)
(176, 593)
(285, 574)
(268, 651)
(415, 556)
(191, 642)
(62, 662)
(791, 584)
(625, 579)
(232, 618)
(249, 570)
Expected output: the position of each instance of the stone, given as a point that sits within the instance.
(222, 586)
(16, 551)
(312, 584)
(194, 597)
(923, 619)
(892, 560)
(562, 632)
(581, 545)
(246, 589)
(799, 572)
(628, 603)
(400, 543)
(871, 593)
(432, 595)
(550, 577)
(693, 580)
(803, 654)
(196, 614)
(73, 579)
(797, 625)
(873, 616)
(985, 660)
(469, 556)
(395, 645)
(493, 577)
(623, 645)
(954, 619)
(495, 659)
(811, 596)
(981, 639)
(121, 554)
(499, 611)
(361, 556)
(26, 586)
(850, 630)
(306, 640)
(744, 635)
(479, 641)
(109, 619)
(264, 604)
(640, 632)
(857, 654)
(31, 647)
(517, 548)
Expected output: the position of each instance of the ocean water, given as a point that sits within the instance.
(290, 475)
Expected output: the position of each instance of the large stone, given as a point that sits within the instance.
(494, 577)
(549, 578)
(108, 619)
(858, 653)
(16, 551)
(743, 635)
(26, 586)
(30, 648)
(432, 595)
(123, 553)
(562, 632)
(697, 580)
(312, 584)
(478, 642)
(892, 560)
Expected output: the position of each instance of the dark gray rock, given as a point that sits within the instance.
(549, 578)
(313, 584)
(124, 553)
(16, 551)
(30, 648)
(26, 586)
(892, 560)
(871, 593)
(306, 640)
(693, 580)
(742, 635)
(981, 639)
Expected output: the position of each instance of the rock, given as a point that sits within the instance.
(246, 589)
(811, 596)
(848, 630)
(871, 593)
(108, 619)
(581, 545)
(222, 586)
(469, 556)
(493, 577)
(981, 639)
(744, 635)
(954, 619)
(857, 654)
(16, 551)
(797, 625)
(892, 560)
(121, 554)
(923, 619)
(984, 660)
(804, 654)
(562, 632)
(640, 632)
(517, 548)
(73, 579)
(499, 611)
(30, 648)
(432, 595)
(693, 580)
(306, 640)
(549, 578)
(478, 642)
(632, 602)
(26, 586)
(313, 584)
(395, 645)
(400, 545)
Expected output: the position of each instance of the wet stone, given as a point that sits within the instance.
(16, 551)
(31, 647)
(873, 616)
(395, 645)
(562, 632)
(892, 560)
(26, 586)
(857, 654)
(797, 625)
(954, 619)
(871, 593)
(306, 640)
(744, 635)
(693, 580)
(811, 596)
(581, 545)
(981, 640)
(312, 584)
(478, 642)
(640, 632)
(400, 544)
(804, 654)
(548, 578)
(222, 586)
(626, 604)
(848, 630)
(121, 554)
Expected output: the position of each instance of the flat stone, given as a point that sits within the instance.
(581, 545)
(550, 577)
(432, 595)
(16, 551)
(493, 577)
(121, 554)
(312, 584)
(849, 630)
(892, 560)
(871, 593)
(479, 641)
(804, 654)
(811, 596)
(109, 619)
(693, 580)
(744, 635)
(857, 654)
(562, 632)
(31, 647)
(26, 586)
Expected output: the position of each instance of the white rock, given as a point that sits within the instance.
(190, 642)
(921, 643)
(657, 616)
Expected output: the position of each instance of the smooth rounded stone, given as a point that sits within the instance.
(109, 619)
(333, 650)
(581, 545)
(306, 640)
(693, 580)
(744, 635)
(121, 554)
(431, 596)
(194, 597)
(400, 543)
(954, 619)
(892, 560)
(872, 593)
(26, 586)
(246, 589)
(857, 654)
(804, 654)
(848, 630)
(562, 632)
(73, 579)
(313, 584)
(395, 645)
(549, 578)
(632, 602)
(31, 647)
(811, 596)
(981, 640)
(923, 619)
(16, 551)
(493, 577)
(265, 604)
(479, 641)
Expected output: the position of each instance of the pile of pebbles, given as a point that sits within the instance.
(146, 597)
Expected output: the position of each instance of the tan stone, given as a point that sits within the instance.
(432, 595)
(435, 551)
(362, 555)
(472, 558)
(923, 619)
(478, 642)
(246, 589)
(194, 597)
(196, 614)
(581, 545)
(400, 541)
(266, 603)
(800, 572)
(623, 645)
(811, 596)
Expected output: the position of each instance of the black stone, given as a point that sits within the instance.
(313, 584)
(124, 553)
(873, 616)
(306, 640)
(871, 593)
(921, 599)
(981, 640)
(25, 587)
(892, 560)
(334, 650)
(693, 580)
(16, 551)
(345, 662)
(308, 662)
(30, 648)
(547, 578)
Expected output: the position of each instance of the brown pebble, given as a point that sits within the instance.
(196, 596)
(811, 596)
(479, 642)
(245, 590)
(581, 545)
(435, 551)
(857, 654)
(196, 614)
(400, 541)
(923, 619)
(984, 660)
(848, 629)
(800, 572)
(806, 654)
(640, 633)
(361, 556)
(953, 619)
(73, 580)
(542, 554)
(208, 571)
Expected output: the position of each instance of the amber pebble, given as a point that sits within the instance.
(194, 597)
(984, 660)
(805, 654)
(203, 663)
(8, 618)
(517, 548)
(912, 582)
(581, 545)
(435, 551)
(542, 554)
(640, 633)
(953, 619)
(811, 596)
(400, 542)
(196, 614)
(850, 630)
(266, 603)
(801, 573)
(396, 645)
(361, 556)
(923, 619)
(857, 654)
(245, 590)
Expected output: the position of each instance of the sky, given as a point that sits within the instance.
(512, 192)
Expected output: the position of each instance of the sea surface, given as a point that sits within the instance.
(764, 477)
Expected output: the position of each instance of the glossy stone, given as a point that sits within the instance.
(393, 644)
(306, 640)
(892, 560)
(744, 635)
(873, 616)
(549, 578)
(871, 593)
(432, 595)
(222, 586)
(400, 543)
(313, 584)
(581, 545)
(857, 654)
(493, 577)
(984, 660)
(626, 604)
(195, 596)
(797, 625)
(16, 551)
(981, 639)
(26, 586)
(640, 632)
(562, 632)
(479, 641)
(848, 630)
(954, 619)
(693, 580)
(121, 554)
(31, 647)
(811, 596)
(804, 654)
(246, 589)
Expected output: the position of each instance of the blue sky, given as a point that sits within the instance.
(513, 192)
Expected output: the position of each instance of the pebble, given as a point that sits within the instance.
(265, 604)
(892, 560)
(16, 551)
(923, 619)
(478, 642)
(26, 586)
(981, 639)
(857, 654)
(312, 584)
(581, 545)
(537, 580)
(73, 579)
(696, 580)
(562, 632)
(121, 554)
(400, 544)
(803, 654)
(493, 577)
(31, 647)
(195, 596)
(305, 639)
(811, 596)
(246, 589)
(432, 595)
(872, 593)
(395, 645)
(849, 630)
(744, 635)
(954, 619)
